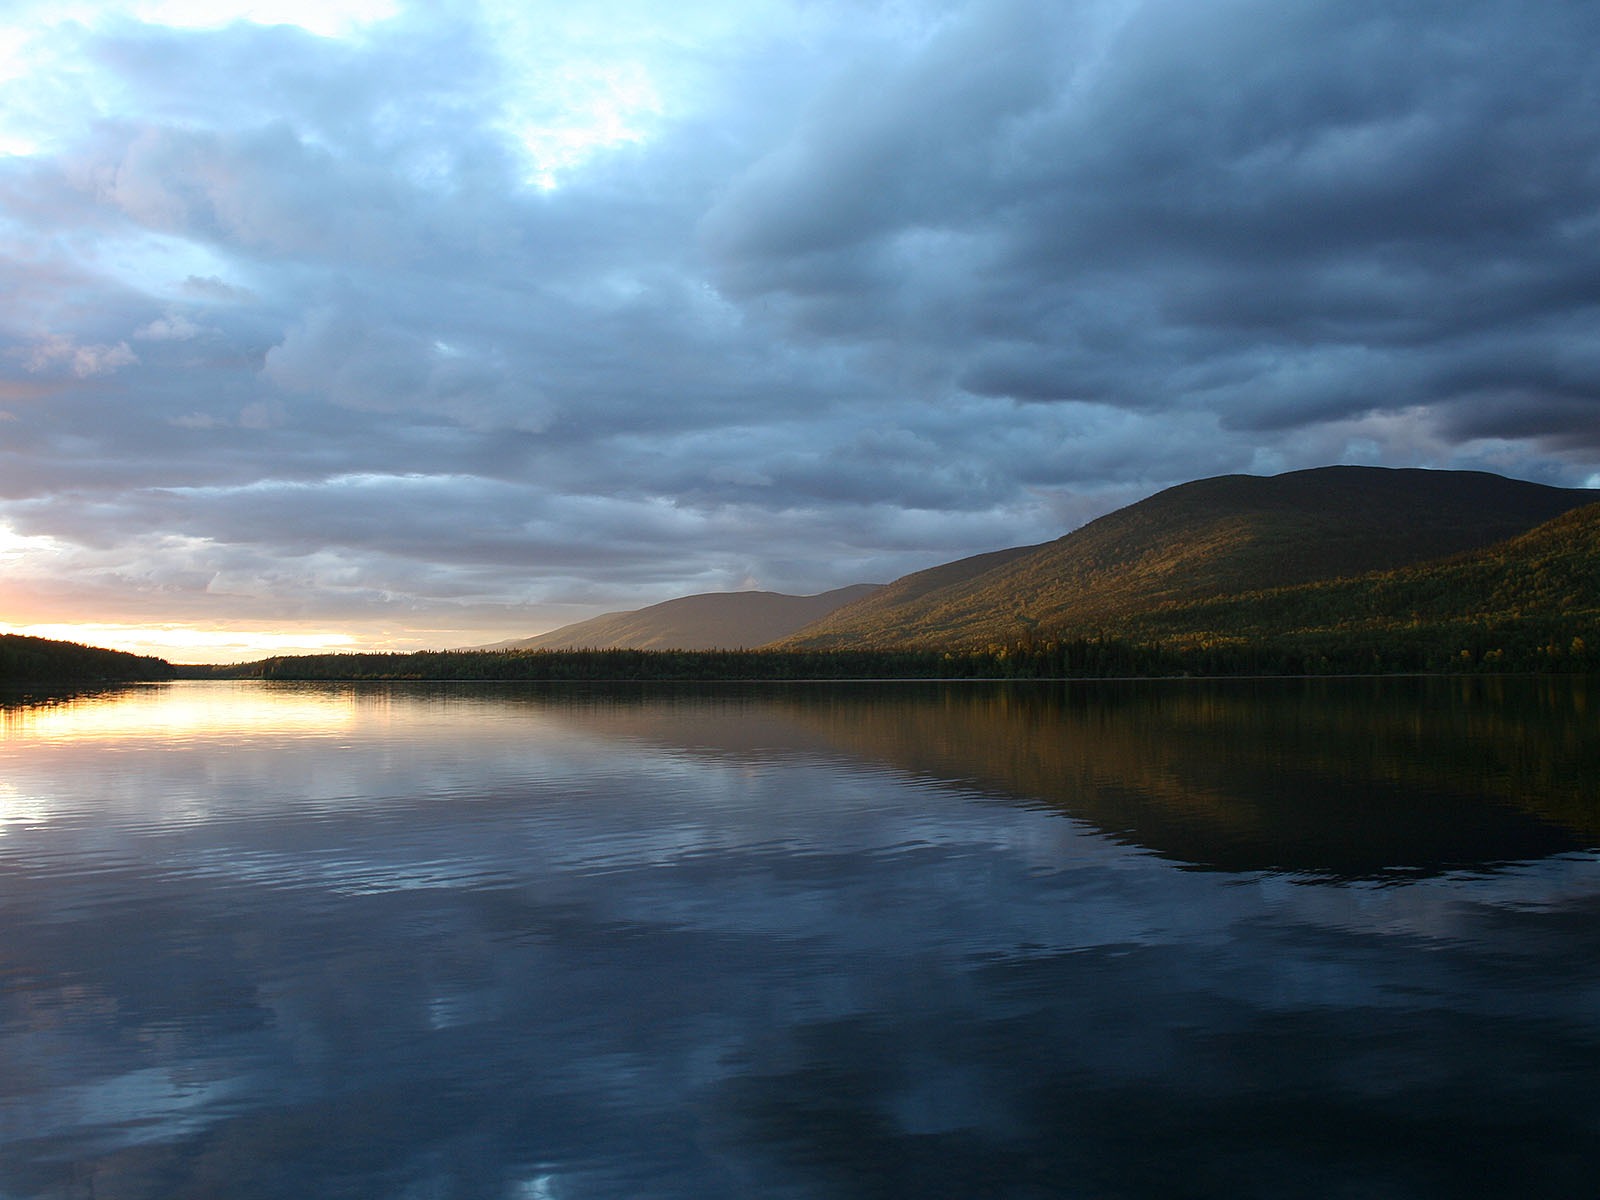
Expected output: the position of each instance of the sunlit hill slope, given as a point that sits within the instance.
(1224, 537)
(714, 620)
(1539, 590)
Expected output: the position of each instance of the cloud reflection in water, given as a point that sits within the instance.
(810, 942)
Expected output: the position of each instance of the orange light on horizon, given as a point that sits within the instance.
(177, 710)
(186, 643)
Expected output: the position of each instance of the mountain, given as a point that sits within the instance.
(711, 621)
(1536, 588)
(1214, 537)
(911, 590)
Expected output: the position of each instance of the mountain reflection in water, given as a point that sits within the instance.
(835, 940)
(1346, 779)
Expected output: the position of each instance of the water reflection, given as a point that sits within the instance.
(1362, 778)
(908, 941)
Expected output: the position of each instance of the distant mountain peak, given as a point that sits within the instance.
(707, 621)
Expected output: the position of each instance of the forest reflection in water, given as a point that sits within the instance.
(1342, 778)
(1174, 938)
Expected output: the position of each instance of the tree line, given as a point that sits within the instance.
(41, 660)
(1460, 647)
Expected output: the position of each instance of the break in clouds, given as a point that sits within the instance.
(449, 321)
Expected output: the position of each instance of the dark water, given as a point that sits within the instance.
(1241, 939)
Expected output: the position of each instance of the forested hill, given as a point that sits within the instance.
(1531, 601)
(1225, 536)
(711, 621)
(40, 660)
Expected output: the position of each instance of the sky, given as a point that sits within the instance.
(370, 324)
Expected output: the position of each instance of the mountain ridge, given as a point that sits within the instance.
(704, 621)
(1216, 537)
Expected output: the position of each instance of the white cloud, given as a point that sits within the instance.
(198, 420)
(173, 327)
(582, 110)
(84, 361)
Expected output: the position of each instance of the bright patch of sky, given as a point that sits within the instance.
(577, 80)
(325, 18)
(13, 66)
(31, 86)
(162, 266)
(183, 643)
(581, 79)
(45, 84)
(16, 547)
(585, 78)
(583, 109)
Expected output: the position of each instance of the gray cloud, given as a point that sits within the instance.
(506, 311)
(1282, 190)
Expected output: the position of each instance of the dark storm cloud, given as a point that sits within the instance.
(1344, 193)
(626, 304)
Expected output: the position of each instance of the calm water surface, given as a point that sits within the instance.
(1336, 938)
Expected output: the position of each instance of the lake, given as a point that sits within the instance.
(1239, 938)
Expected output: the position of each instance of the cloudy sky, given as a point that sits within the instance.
(397, 324)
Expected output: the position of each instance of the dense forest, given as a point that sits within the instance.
(1531, 646)
(1444, 646)
(1528, 603)
(40, 660)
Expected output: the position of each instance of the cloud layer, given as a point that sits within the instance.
(436, 324)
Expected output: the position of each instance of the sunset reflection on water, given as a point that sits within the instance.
(184, 709)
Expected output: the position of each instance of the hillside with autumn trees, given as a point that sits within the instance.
(1229, 536)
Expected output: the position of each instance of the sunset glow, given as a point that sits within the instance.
(175, 711)
(182, 644)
